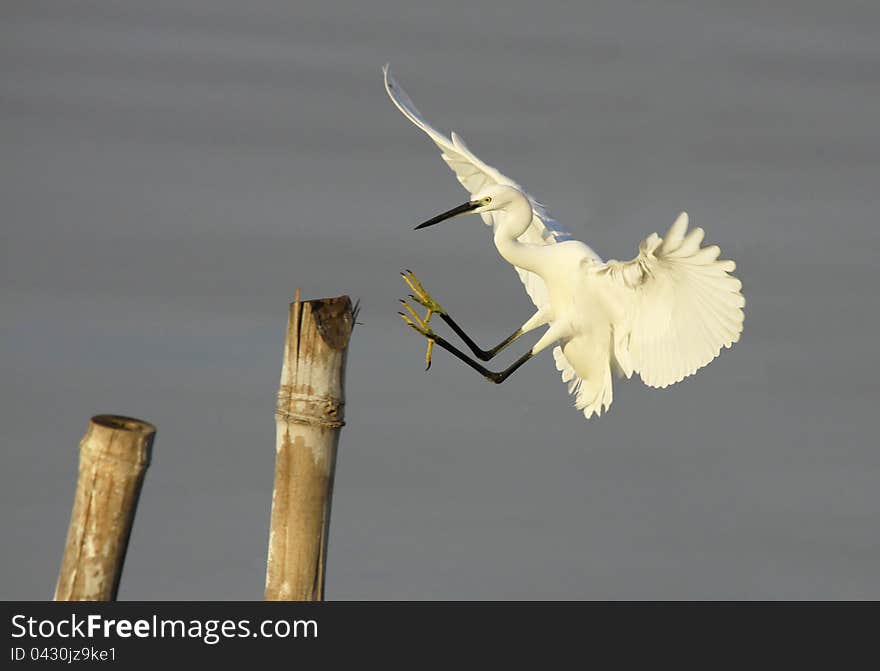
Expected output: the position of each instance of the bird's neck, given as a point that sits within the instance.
(512, 250)
(510, 223)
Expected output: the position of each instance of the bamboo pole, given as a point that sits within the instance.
(113, 458)
(308, 418)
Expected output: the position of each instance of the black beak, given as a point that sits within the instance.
(469, 206)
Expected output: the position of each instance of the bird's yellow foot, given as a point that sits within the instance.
(421, 326)
(420, 295)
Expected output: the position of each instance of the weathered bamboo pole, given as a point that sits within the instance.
(113, 458)
(308, 417)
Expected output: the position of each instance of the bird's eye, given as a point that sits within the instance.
(487, 200)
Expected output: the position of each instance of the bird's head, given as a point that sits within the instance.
(493, 198)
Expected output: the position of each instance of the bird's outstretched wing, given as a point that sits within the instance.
(474, 174)
(683, 306)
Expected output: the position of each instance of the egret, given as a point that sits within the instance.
(664, 315)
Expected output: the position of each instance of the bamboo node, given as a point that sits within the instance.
(299, 408)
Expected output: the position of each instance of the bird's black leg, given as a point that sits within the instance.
(423, 298)
(492, 376)
(481, 354)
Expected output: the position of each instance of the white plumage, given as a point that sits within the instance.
(664, 315)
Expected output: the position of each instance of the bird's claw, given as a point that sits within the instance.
(419, 324)
(416, 322)
(420, 294)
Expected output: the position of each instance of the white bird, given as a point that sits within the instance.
(664, 315)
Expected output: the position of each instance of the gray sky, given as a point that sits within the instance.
(172, 171)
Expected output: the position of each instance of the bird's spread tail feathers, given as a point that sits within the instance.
(594, 393)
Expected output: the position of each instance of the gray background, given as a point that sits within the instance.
(172, 171)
